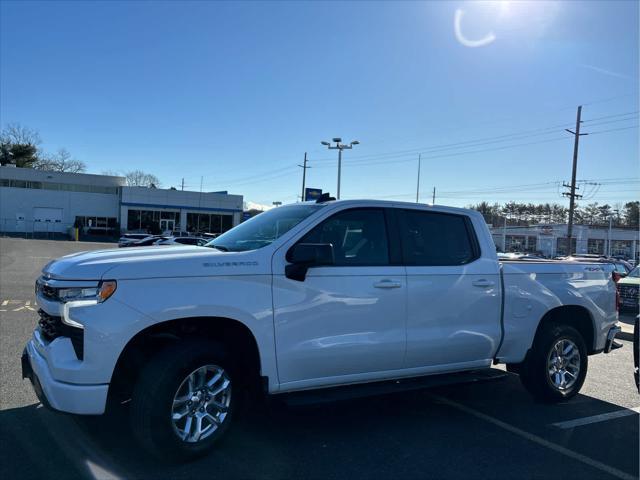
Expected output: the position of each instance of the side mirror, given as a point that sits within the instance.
(302, 256)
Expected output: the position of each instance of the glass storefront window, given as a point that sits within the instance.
(621, 247)
(133, 221)
(562, 246)
(595, 246)
(208, 223)
(227, 222)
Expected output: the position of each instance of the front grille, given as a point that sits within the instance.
(51, 327)
(629, 292)
(629, 296)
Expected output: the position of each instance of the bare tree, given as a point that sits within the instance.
(14, 133)
(61, 161)
(138, 178)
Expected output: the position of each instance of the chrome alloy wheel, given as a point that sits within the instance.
(201, 404)
(563, 364)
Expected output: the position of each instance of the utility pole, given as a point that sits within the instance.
(183, 184)
(504, 235)
(572, 188)
(304, 175)
(339, 146)
(433, 200)
(609, 235)
(418, 188)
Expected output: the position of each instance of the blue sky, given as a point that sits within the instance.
(235, 93)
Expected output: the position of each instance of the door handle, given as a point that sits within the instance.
(483, 283)
(387, 284)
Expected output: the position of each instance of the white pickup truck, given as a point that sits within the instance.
(306, 296)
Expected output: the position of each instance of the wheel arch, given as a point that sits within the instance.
(235, 335)
(575, 316)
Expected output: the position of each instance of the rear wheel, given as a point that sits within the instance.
(556, 366)
(183, 401)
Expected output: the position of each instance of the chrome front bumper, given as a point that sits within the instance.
(611, 344)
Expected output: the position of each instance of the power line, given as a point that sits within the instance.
(455, 154)
(611, 116)
(399, 159)
(481, 141)
(613, 130)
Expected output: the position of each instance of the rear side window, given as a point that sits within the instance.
(358, 236)
(436, 239)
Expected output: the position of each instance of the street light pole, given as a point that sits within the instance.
(418, 187)
(339, 146)
(339, 171)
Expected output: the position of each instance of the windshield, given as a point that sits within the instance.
(264, 228)
(635, 272)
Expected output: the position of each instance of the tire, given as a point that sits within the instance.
(162, 391)
(544, 357)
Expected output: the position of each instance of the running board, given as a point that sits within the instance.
(349, 392)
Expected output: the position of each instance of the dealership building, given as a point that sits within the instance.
(34, 201)
(551, 240)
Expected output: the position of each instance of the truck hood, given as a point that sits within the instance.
(629, 281)
(155, 262)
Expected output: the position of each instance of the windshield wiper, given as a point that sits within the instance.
(222, 248)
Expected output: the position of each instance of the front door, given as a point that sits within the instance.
(454, 294)
(167, 225)
(346, 321)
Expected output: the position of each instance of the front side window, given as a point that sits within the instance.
(358, 236)
(435, 239)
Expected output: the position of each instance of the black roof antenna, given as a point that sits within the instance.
(325, 197)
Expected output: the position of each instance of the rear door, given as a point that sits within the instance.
(454, 294)
(347, 321)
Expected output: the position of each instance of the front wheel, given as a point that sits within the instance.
(556, 366)
(183, 401)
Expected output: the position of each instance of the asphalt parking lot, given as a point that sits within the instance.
(486, 429)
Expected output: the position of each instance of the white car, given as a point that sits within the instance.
(183, 241)
(129, 238)
(301, 297)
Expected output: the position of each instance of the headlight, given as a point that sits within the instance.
(100, 293)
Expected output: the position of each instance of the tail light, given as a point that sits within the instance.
(617, 290)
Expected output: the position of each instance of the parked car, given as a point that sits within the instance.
(305, 297)
(128, 238)
(622, 267)
(145, 242)
(210, 236)
(629, 291)
(519, 256)
(184, 241)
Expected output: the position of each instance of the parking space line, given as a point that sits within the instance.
(603, 417)
(536, 439)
